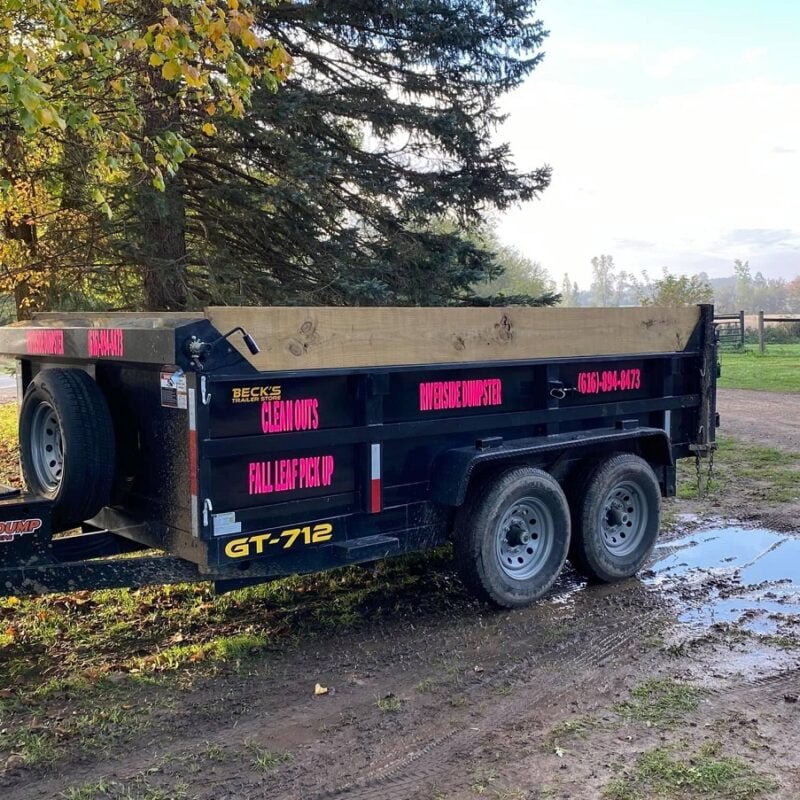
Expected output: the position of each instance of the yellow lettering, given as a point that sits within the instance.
(322, 532)
(236, 548)
(259, 540)
(291, 535)
(254, 545)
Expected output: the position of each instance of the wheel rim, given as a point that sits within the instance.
(524, 538)
(46, 444)
(623, 519)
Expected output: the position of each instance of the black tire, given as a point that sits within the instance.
(67, 444)
(616, 515)
(512, 537)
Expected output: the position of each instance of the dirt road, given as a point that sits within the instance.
(684, 682)
(559, 700)
(768, 418)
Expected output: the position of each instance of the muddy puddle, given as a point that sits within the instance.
(748, 578)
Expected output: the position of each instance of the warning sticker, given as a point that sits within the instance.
(226, 523)
(173, 388)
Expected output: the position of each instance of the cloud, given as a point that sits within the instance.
(690, 180)
(670, 61)
(599, 51)
(753, 54)
(760, 238)
(634, 244)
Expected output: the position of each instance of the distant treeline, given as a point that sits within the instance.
(743, 290)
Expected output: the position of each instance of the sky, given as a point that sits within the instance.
(673, 131)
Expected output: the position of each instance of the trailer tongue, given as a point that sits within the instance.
(241, 445)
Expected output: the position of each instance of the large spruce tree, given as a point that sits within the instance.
(325, 192)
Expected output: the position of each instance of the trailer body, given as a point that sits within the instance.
(241, 469)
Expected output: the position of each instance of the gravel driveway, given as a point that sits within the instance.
(769, 418)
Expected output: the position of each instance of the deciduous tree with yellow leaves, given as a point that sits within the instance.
(101, 94)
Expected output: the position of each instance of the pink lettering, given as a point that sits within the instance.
(288, 474)
(283, 416)
(443, 395)
(105, 342)
(612, 380)
(45, 342)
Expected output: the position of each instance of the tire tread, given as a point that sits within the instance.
(584, 494)
(474, 519)
(88, 436)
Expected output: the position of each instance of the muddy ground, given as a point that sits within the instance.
(681, 683)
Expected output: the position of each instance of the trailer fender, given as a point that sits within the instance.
(453, 469)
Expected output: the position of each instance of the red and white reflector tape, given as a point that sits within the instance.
(375, 499)
(193, 464)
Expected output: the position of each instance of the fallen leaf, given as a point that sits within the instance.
(14, 761)
(320, 689)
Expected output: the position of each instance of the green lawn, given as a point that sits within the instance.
(778, 370)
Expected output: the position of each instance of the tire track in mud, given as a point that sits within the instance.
(140, 759)
(600, 627)
(430, 760)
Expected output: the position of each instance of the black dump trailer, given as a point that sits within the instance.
(239, 445)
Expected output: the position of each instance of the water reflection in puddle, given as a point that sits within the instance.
(758, 573)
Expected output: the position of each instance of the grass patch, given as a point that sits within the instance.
(781, 642)
(141, 788)
(777, 370)
(266, 760)
(658, 773)
(9, 463)
(94, 729)
(8, 424)
(660, 701)
(389, 704)
(79, 639)
(482, 779)
(577, 727)
(764, 473)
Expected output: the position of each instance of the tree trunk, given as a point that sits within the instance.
(162, 248)
(161, 252)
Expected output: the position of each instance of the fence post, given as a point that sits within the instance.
(741, 329)
(761, 331)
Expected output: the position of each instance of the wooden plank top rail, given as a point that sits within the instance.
(318, 337)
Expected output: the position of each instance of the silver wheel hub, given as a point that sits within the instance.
(47, 448)
(524, 538)
(623, 519)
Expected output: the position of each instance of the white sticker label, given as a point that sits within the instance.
(173, 388)
(226, 523)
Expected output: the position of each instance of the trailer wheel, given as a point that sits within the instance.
(67, 444)
(512, 537)
(616, 514)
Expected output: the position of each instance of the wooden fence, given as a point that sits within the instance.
(731, 328)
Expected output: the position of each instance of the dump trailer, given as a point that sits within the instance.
(240, 445)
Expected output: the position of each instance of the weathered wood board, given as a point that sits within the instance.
(314, 338)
